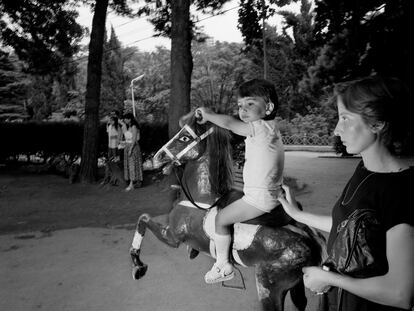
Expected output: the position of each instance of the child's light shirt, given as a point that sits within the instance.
(263, 167)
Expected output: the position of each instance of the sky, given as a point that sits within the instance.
(138, 32)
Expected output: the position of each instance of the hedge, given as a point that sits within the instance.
(52, 138)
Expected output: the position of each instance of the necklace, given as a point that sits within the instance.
(356, 190)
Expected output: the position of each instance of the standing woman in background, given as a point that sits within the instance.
(375, 116)
(114, 131)
(132, 152)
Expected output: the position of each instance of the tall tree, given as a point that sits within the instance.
(181, 63)
(89, 160)
(173, 19)
(113, 84)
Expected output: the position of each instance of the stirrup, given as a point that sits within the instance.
(219, 273)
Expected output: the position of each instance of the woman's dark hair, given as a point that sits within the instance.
(131, 117)
(116, 123)
(115, 113)
(380, 100)
(261, 88)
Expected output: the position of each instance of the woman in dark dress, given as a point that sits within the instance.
(374, 119)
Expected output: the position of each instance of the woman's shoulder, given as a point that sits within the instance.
(399, 178)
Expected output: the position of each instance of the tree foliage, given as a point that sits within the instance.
(174, 19)
(113, 83)
(152, 93)
(44, 34)
(13, 89)
(289, 55)
(251, 15)
(219, 69)
(362, 37)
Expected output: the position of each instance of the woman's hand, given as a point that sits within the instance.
(288, 202)
(291, 208)
(316, 279)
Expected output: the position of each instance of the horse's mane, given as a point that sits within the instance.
(218, 149)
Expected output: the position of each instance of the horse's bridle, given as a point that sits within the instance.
(197, 139)
(188, 195)
(176, 158)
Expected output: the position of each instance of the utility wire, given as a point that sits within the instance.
(81, 58)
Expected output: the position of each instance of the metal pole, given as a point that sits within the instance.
(132, 91)
(132, 94)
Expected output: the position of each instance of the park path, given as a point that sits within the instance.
(89, 268)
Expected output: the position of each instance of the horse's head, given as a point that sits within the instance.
(188, 144)
(205, 142)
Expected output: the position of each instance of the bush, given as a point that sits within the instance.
(47, 139)
(311, 124)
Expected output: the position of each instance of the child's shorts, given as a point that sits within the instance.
(262, 199)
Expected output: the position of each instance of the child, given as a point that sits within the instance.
(263, 168)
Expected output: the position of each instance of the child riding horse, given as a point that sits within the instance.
(277, 253)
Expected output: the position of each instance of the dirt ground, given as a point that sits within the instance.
(65, 247)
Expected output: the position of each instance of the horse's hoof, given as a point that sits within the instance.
(139, 271)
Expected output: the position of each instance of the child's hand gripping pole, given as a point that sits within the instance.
(198, 115)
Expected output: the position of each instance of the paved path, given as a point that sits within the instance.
(89, 268)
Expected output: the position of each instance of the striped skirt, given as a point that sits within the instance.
(133, 163)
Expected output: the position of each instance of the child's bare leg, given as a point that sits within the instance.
(238, 211)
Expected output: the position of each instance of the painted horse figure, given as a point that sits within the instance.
(274, 244)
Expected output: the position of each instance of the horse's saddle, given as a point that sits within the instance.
(276, 218)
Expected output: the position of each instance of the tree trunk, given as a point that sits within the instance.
(88, 170)
(181, 63)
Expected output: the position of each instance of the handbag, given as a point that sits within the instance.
(359, 249)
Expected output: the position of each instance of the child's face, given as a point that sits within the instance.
(251, 108)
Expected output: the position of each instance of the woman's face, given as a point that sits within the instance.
(355, 134)
(251, 108)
